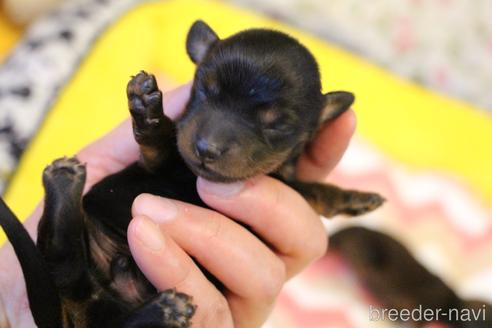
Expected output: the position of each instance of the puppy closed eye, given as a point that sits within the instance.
(277, 133)
(278, 130)
(274, 123)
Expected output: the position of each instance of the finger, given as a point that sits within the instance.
(328, 147)
(110, 154)
(237, 258)
(118, 149)
(275, 212)
(166, 266)
(174, 102)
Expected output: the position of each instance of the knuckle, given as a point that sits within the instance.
(212, 224)
(273, 281)
(182, 275)
(275, 203)
(278, 199)
(215, 313)
(321, 247)
(318, 245)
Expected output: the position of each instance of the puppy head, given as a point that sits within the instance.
(256, 100)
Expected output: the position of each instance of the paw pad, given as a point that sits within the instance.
(67, 168)
(177, 308)
(145, 101)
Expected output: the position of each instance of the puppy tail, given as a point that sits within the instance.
(43, 297)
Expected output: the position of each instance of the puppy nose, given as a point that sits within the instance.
(208, 151)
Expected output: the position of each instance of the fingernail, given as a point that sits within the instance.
(220, 189)
(159, 210)
(149, 234)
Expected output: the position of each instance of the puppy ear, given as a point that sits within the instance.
(335, 104)
(200, 38)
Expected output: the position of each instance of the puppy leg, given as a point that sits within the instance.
(329, 200)
(61, 229)
(169, 309)
(153, 131)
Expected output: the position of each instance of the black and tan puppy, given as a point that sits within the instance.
(256, 102)
(399, 281)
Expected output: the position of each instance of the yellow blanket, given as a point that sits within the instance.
(408, 123)
(411, 129)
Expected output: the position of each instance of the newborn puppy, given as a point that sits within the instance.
(398, 281)
(255, 103)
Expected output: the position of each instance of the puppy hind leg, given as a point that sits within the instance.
(61, 228)
(153, 131)
(329, 200)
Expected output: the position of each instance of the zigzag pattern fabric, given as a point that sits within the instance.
(40, 65)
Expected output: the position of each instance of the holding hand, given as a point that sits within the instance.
(286, 235)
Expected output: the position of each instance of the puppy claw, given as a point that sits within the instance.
(363, 202)
(141, 84)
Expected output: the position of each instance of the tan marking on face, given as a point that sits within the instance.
(185, 141)
(238, 163)
(269, 116)
(211, 84)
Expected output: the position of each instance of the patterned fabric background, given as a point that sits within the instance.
(42, 63)
(445, 45)
(437, 218)
(435, 207)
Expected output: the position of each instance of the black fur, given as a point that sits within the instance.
(43, 298)
(255, 103)
(398, 280)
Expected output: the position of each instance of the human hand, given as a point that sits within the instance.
(118, 149)
(108, 155)
(285, 235)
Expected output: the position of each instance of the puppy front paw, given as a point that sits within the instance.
(362, 202)
(145, 104)
(329, 200)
